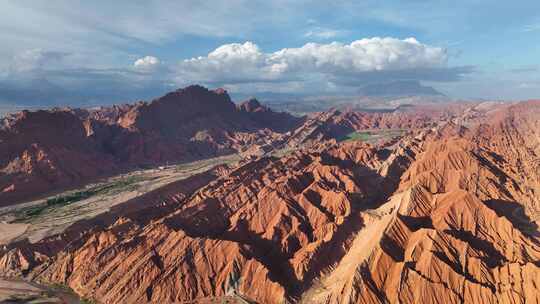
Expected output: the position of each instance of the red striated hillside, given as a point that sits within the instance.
(44, 151)
(449, 215)
(47, 150)
(448, 212)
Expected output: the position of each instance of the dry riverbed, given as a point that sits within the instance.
(46, 217)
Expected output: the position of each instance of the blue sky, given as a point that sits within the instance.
(99, 52)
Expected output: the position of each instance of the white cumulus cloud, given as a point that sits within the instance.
(233, 63)
(146, 62)
(237, 63)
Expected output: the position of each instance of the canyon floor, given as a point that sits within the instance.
(50, 216)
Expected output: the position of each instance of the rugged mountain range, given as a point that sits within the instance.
(398, 89)
(446, 214)
(50, 149)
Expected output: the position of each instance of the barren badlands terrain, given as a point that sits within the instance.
(190, 198)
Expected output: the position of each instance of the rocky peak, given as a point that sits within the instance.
(196, 96)
(188, 103)
(251, 105)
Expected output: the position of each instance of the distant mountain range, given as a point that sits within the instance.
(384, 97)
(375, 96)
(398, 89)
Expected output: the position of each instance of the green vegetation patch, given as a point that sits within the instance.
(354, 136)
(371, 136)
(126, 184)
(206, 163)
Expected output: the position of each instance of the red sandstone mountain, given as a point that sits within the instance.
(450, 215)
(50, 150)
(277, 121)
(46, 150)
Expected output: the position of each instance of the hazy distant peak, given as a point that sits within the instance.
(398, 88)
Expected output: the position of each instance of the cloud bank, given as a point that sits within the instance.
(236, 63)
(241, 67)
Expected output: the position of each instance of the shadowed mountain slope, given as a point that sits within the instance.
(446, 214)
(47, 150)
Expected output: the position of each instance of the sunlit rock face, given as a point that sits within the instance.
(447, 214)
(46, 150)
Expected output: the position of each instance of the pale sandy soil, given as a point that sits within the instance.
(19, 291)
(10, 232)
(8, 294)
(56, 219)
(24, 292)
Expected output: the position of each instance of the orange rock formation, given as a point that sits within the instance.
(448, 215)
